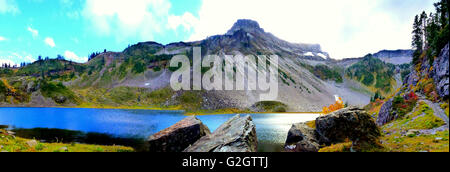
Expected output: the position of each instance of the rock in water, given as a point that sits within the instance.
(349, 123)
(236, 135)
(179, 136)
(385, 116)
(301, 138)
(441, 73)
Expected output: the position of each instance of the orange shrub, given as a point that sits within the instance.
(339, 104)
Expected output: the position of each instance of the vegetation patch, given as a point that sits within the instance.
(271, 106)
(373, 72)
(404, 105)
(190, 100)
(445, 107)
(430, 143)
(58, 92)
(15, 144)
(422, 118)
(324, 72)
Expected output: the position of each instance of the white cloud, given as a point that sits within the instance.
(123, 19)
(50, 42)
(33, 32)
(7, 61)
(72, 56)
(15, 58)
(2, 38)
(141, 19)
(8, 6)
(345, 28)
(187, 20)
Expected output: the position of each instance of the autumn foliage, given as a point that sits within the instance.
(339, 104)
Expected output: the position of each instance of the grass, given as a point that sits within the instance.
(399, 143)
(15, 144)
(429, 143)
(422, 118)
(445, 107)
(58, 92)
(311, 124)
(347, 147)
(271, 106)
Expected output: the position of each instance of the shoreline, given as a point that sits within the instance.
(186, 113)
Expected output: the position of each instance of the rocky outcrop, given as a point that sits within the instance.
(178, 137)
(236, 135)
(349, 123)
(440, 73)
(302, 138)
(385, 115)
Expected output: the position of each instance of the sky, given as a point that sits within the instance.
(76, 28)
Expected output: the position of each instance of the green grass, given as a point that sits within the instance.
(16, 144)
(271, 106)
(324, 72)
(399, 143)
(445, 107)
(190, 100)
(58, 92)
(422, 118)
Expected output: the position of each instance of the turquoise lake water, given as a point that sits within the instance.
(130, 127)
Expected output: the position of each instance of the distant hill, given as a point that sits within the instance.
(395, 56)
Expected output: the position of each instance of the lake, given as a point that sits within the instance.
(130, 127)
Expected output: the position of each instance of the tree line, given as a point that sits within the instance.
(430, 32)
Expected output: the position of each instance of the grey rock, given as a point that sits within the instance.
(63, 149)
(385, 115)
(349, 123)
(178, 137)
(440, 73)
(412, 133)
(31, 143)
(301, 138)
(236, 135)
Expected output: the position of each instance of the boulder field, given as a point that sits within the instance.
(190, 135)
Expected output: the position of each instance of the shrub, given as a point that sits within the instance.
(339, 104)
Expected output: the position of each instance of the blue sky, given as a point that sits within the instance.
(76, 28)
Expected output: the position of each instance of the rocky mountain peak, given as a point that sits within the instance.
(246, 25)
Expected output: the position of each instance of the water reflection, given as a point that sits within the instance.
(130, 127)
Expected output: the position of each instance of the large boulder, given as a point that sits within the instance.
(178, 137)
(301, 138)
(350, 123)
(440, 73)
(236, 135)
(385, 115)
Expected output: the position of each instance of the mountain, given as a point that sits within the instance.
(139, 77)
(396, 57)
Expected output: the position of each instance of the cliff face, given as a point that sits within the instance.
(440, 73)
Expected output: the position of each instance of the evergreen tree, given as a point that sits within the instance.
(417, 42)
(424, 23)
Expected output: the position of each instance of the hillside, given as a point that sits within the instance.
(416, 116)
(139, 77)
